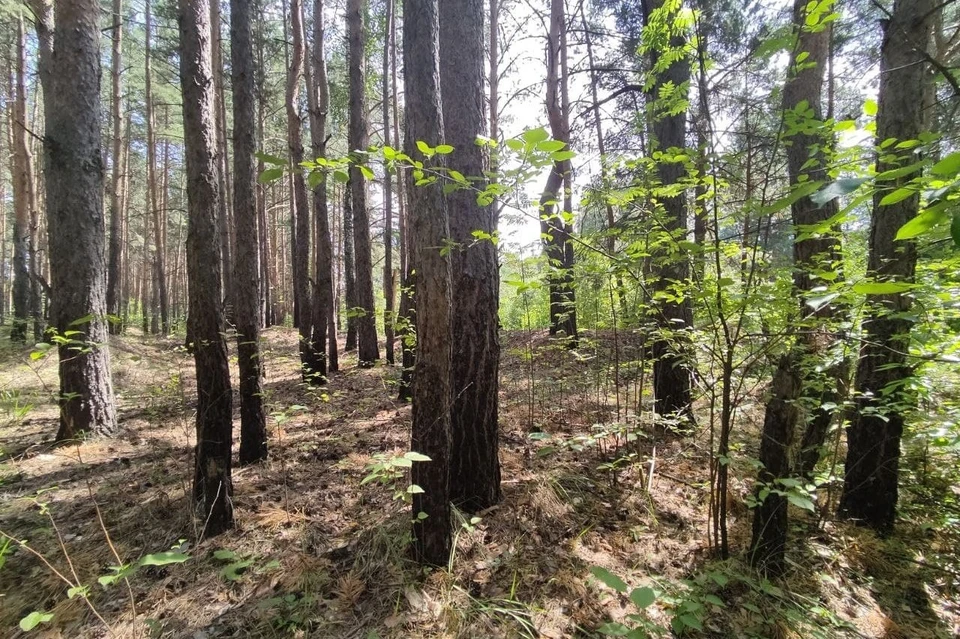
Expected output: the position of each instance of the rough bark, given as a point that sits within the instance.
(368, 351)
(212, 483)
(671, 371)
(114, 266)
(432, 393)
(253, 422)
(474, 459)
(159, 231)
(220, 120)
(349, 270)
(24, 199)
(319, 94)
(389, 293)
(74, 176)
(554, 225)
(876, 423)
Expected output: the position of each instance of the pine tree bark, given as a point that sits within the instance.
(301, 209)
(319, 103)
(389, 294)
(876, 423)
(159, 232)
(368, 351)
(671, 371)
(212, 482)
(74, 176)
(349, 269)
(554, 225)
(432, 392)
(253, 422)
(114, 266)
(23, 195)
(474, 459)
(220, 118)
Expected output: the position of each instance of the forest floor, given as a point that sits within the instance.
(318, 553)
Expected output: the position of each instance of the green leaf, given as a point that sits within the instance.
(897, 196)
(270, 175)
(414, 489)
(800, 501)
(922, 223)
(870, 107)
(270, 159)
(613, 629)
(562, 156)
(948, 166)
(164, 558)
(365, 170)
(514, 144)
(425, 148)
(444, 149)
(315, 179)
(955, 229)
(643, 597)
(341, 176)
(224, 554)
(550, 146)
(691, 621)
(34, 619)
(882, 288)
(234, 571)
(535, 136)
(415, 456)
(834, 190)
(609, 578)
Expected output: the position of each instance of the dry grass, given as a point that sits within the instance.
(327, 557)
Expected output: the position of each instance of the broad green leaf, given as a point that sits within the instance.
(922, 223)
(315, 179)
(613, 629)
(562, 156)
(514, 144)
(870, 107)
(535, 136)
(800, 501)
(549, 146)
(224, 554)
(164, 558)
(948, 166)
(415, 456)
(34, 619)
(414, 489)
(341, 176)
(609, 578)
(425, 148)
(269, 175)
(882, 288)
(897, 196)
(365, 170)
(643, 597)
(444, 149)
(835, 189)
(270, 159)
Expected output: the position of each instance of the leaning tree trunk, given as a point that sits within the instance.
(474, 459)
(368, 351)
(74, 181)
(432, 393)
(212, 488)
(882, 396)
(671, 370)
(253, 422)
(319, 94)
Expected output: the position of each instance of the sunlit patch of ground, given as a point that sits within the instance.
(317, 554)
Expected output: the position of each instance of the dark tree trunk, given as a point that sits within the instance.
(368, 351)
(74, 175)
(213, 488)
(319, 94)
(432, 392)
(474, 459)
(671, 370)
(223, 174)
(301, 209)
(779, 432)
(882, 394)
(349, 270)
(554, 227)
(114, 267)
(253, 422)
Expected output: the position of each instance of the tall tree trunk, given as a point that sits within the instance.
(23, 195)
(349, 269)
(319, 94)
(801, 385)
(300, 208)
(405, 311)
(876, 422)
(432, 393)
(73, 167)
(388, 290)
(213, 487)
(159, 232)
(267, 265)
(671, 371)
(253, 421)
(474, 459)
(125, 260)
(220, 118)
(555, 227)
(368, 351)
(114, 266)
